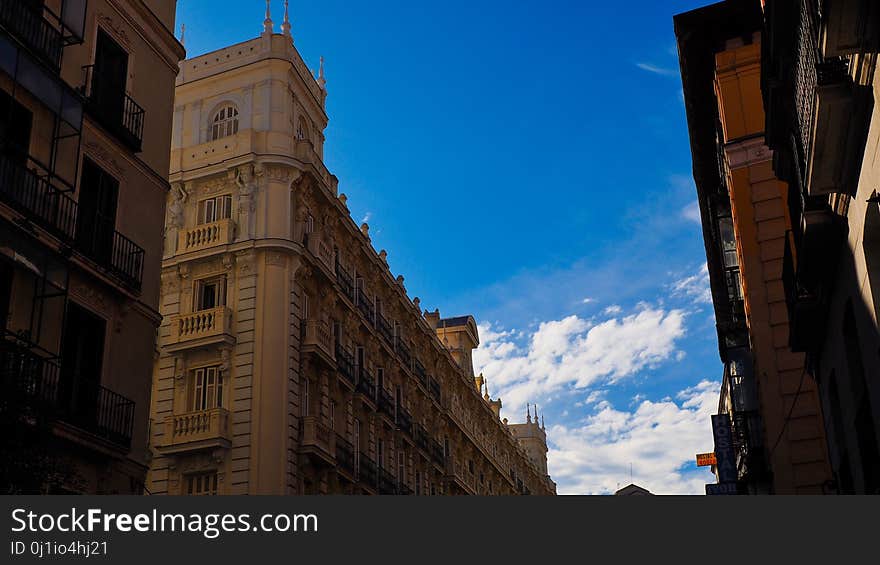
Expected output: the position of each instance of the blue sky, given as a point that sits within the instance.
(528, 163)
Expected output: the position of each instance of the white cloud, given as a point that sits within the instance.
(696, 286)
(588, 300)
(692, 212)
(656, 69)
(613, 310)
(366, 217)
(659, 439)
(575, 352)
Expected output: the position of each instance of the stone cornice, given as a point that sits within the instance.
(747, 152)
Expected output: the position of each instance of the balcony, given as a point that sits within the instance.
(434, 389)
(318, 340)
(205, 236)
(321, 251)
(421, 374)
(823, 233)
(421, 437)
(345, 282)
(405, 490)
(33, 30)
(119, 256)
(850, 26)
(404, 420)
(318, 441)
(203, 429)
(32, 195)
(385, 402)
(367, 472)
(748, 441)
(403, 352)
(365, 305)
(841, 116)
(438, 454)
(366, 386)
(345, 365)
(345, 455)
(386, 330)
(201, 328)
(46, 388)
(115, 110)
(458, 476)
(387, 482)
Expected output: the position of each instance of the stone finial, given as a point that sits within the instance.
(322, 81)
(285, 25)
(383, 255)
(267, 23)
(417, 303)
(400, 280)
(343, 198)
(182, 34)
(365, 229)
(528, 413)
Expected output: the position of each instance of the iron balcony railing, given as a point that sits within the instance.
(403, 352)
(345, 364)
(32, 195)
(365, 304)
(29, 26)
(114, 108)
(366, 386)
(405, 490)
(385, 329)
(438, 454)
(421, 437)
(345, 281)
(366, 470)
(344, 454)
(421, 374)
(434, 388)
(404, 419)
(387, 483)
(49, 387)
(385, 401)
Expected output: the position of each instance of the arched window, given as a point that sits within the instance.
(302, 130)
(225, 123)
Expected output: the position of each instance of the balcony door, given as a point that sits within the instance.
(109, 76)
(96, 215)
(82, 353)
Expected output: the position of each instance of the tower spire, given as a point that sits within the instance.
(322, 82)
(528, 414)
(267, 23)
(285, 26)
(182, 34)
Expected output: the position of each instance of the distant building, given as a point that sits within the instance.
(633, 490)
(291, 360)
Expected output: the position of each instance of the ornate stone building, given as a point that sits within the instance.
(86, 100)
(291, 361)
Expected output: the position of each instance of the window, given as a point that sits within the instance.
(302, 130)
(225, 123)
(418, 483)
(380, 453)
(202, 484)
(333, 415)
(207, 390)
(15, 128)
(401, 468)
(96, 211)
(306, 398)
(210, 293)
(215, 209)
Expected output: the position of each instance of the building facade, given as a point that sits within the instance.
(86, 99)
(768, 390)
(291, 360)
(820, 90)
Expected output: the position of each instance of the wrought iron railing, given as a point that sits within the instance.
(386, 330)
(113, 251)
(404, 419)
(57, 392)
(365, 304)
(344, 454)
(344, 279)
(115, 109)
(385, 401)
(387, 483)
(438, 454)
(403, 352)
(345, 364)
(33, 195)
(421, 374)
(367, 470)
(434, 389)
(30, 27)
(366, 386)
(421, 437)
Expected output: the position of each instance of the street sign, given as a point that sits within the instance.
(721, 488)
(706, 459)
(725, 458)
